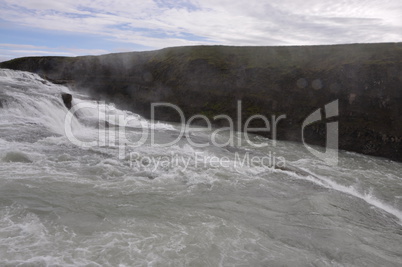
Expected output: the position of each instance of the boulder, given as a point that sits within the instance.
(67, 98)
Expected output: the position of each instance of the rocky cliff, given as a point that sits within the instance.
(366, 79)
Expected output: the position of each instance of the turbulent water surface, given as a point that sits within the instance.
(115, 204)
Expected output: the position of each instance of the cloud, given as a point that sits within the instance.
(9, 51)
(5, 58)
(162, 23)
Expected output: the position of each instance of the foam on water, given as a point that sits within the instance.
(34, 101)
(64, 205)
(16, 156)
(350, 190)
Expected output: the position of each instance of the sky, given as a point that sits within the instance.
(93, 27)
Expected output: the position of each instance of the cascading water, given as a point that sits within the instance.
(65, 205)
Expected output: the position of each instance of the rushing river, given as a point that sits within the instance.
(62, 204)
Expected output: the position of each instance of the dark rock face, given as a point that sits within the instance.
(1, 103)
(366, 79)
(67, 98)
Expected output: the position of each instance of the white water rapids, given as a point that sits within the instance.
(64, 205)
